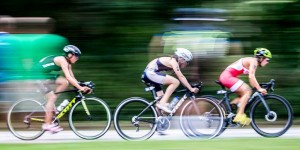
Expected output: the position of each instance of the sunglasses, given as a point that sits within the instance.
(76, 55)
(267, 60)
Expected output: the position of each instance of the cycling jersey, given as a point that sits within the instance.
(47, 64)
(152, 74)
(238, 68)
(229, 76)
(46, 71)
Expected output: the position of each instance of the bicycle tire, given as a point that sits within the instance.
(22, 119)
(201, 118)
(126, 120)
(91, 126)
(225, 111)
(271, 125)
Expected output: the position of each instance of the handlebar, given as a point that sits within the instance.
(89, 84)
(269, 86)
(194, 85)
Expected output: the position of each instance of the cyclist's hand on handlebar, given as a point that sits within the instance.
(86, 90)
(263, 91)
(195, 90)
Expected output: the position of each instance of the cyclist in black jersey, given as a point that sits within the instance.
(57, 63)
(152, 74)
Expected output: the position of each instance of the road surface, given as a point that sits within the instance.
(111, 135)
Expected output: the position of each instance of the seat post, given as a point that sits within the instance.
(153, 91)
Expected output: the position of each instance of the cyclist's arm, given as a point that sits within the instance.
(252, 79)
(71, 71)
(179, 74)
(65, 68)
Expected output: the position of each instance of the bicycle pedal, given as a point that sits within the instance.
(26, 121)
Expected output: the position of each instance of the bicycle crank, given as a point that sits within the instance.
(163, 123)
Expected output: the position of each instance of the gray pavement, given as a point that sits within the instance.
(111, 135)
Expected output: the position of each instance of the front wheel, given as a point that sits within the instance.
(273, 123)
(201, 119)
(135, 119)
(25, 119)
(90, 118)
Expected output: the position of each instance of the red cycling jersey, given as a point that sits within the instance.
(229, 76)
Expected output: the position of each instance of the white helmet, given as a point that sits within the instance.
(184, 53)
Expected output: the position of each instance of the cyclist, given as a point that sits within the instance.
(152, 74)
(246, 65)
(57, 63)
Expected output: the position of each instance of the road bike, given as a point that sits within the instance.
(136, 118)
(89, 117)
(271, 115)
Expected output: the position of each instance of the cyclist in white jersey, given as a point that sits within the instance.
(152, 74)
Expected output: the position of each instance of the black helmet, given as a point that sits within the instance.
(72, 49)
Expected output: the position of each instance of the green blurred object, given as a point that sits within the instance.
(28, 49)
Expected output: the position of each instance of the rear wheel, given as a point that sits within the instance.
(135, 119)
(25, 119)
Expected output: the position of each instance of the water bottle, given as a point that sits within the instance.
(174, 102)
(62, 105)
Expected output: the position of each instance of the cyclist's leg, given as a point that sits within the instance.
(162, 79)
(244, 91)
(172, 83)
(51, 98)
(48, 125)
(44, 87)
(61, 84)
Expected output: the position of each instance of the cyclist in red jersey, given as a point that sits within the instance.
(247, 65)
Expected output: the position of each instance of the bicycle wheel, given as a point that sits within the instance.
(25, 119)
(201, 119)
(90, 118)
(275, 123)
(224, 110)
(135, 119)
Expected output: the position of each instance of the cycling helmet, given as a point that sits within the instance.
(184, 53)
(262, 52)
(72, 49)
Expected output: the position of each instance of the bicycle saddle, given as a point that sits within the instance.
(219, 83)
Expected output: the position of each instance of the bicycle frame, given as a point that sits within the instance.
(79, 97)
(67, 108)
(226, 100)
(179, 103)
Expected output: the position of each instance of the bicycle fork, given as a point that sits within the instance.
(270, 115)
